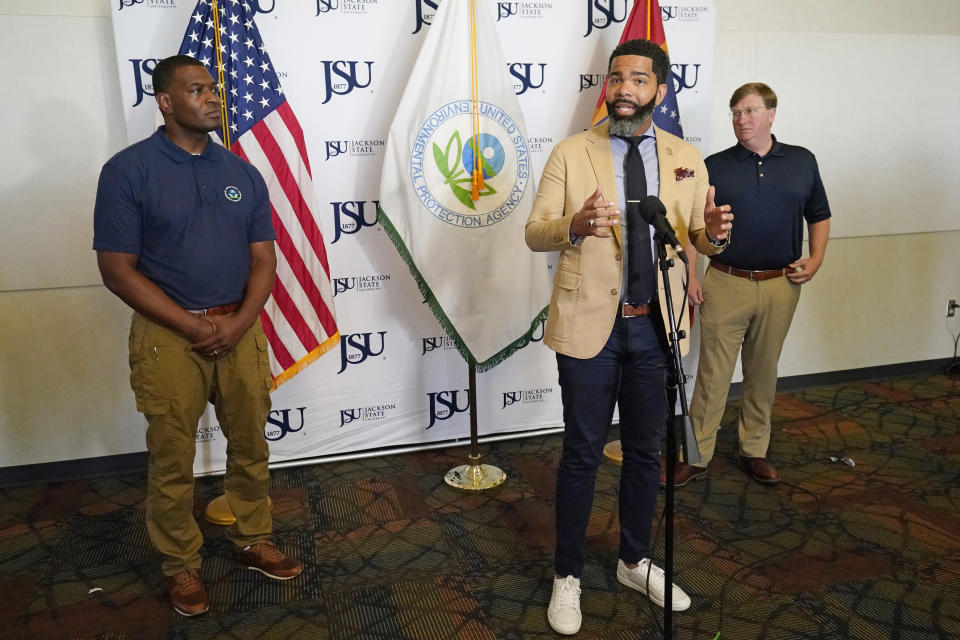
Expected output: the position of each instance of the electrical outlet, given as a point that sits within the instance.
(951, 308)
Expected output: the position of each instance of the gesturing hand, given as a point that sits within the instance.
(596, 217)
(718, 219)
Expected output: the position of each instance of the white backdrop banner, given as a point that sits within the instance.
(396, 379)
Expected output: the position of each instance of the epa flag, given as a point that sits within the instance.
(260, 126)
(645, 22)
(462, 236)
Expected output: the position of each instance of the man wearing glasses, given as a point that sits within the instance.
(751, 291)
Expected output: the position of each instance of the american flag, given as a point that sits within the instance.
(645, 21)
(298, 319)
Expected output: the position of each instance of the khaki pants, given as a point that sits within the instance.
(172, 385)
(757, 315)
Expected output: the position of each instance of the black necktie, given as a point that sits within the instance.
(640, 274)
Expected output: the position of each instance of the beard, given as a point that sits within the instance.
(627, 125)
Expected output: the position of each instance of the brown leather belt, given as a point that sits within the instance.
(630, 311)
(221, 310)
(749, 275)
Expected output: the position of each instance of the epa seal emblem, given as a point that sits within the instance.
(445, 151)
(232, 194)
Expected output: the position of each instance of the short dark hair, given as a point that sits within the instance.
(762, 90)
(647, 49)
(163, 72)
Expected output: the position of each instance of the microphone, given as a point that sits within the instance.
(655, 214)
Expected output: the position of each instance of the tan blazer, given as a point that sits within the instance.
(586, 288)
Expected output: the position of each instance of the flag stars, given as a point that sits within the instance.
(233, 91)
(279, 89)
(249, 43)
(207, 42)
(664, 109)
(248, 97)
(248, 114)
(265, 85)
(233, 127)
(234, 37)
(234, 57)
(205, 60)
(194, 37)
(234, 19)
(264, 66)
(248, 79)
(248, 61)
(233, 109)
(233, 73)
(197, 17)
(264, 103)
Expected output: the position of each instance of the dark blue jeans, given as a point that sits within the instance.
(630, 370)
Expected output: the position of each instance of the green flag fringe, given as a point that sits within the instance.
(439, 314)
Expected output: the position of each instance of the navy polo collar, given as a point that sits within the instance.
(177, 154)
(776, 150)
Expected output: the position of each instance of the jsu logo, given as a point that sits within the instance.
(349, 415)
(681, 79)
(437, 342)
(590, 80)
(510, 397)
(602, 13)
(153, 4)
(325, 6)
(424, 17)
(341, 285)
(444, 404)
(667, 12)
(525, 74)
(143, 67)
(357, 347)
(258, 7)
(336, 147)
(350, 216)
(506, 9)
(279, 424)
(343, 76)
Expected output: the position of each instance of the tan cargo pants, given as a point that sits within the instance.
(172, 385)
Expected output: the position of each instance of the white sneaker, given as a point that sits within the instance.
(563, 614)
(637, 579)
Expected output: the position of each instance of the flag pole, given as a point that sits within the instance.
(474, 475)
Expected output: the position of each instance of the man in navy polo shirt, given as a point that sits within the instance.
(183, 234)
(750, 292)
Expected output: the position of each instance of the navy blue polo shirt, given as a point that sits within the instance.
(189, 218)
(770, 197)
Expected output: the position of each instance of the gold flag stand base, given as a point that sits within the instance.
(475, 476)
(614, 451)
(218, 511)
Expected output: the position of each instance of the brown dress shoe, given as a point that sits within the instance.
(761, 470)
(683, 473)
(270, 561)
(187, 593)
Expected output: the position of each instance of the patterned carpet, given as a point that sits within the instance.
(865, 552)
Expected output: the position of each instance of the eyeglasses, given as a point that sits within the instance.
(749, 111)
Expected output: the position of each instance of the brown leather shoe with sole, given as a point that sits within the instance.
(761, 470)
(270, 561)
(187, 593)
(683, 474)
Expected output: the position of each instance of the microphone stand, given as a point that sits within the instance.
(675, 423)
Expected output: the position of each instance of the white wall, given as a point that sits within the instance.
(879, 298)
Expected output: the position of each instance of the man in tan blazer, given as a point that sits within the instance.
(612, 350)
